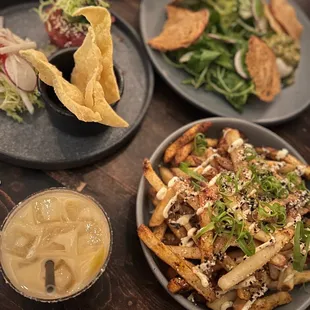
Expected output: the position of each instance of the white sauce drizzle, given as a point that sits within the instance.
(236, 144)
(281, 154)
(207, 205)
(186, 240)
(173, 181)
(225, 132)
(207, 169)
(226, 305)
(183, 220)
(161, 193)
(170, 203)
(207, 161)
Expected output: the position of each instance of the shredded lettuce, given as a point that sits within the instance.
(11, 102)
(47, 7)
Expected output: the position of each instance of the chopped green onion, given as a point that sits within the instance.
(246, 243)
(273, 186)
(204, 229)
(193, 174)
(250, 153)
(200, 144)
(275, 211)
(302, 234)
(228, 184)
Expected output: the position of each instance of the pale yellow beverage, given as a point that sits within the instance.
(59, 225)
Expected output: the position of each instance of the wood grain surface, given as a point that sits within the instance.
(128, 282)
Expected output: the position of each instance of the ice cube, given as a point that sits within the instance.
(59, 236)
(90, 237)
(47, 210)
(64, 277)
(73, 208)
(19, 242)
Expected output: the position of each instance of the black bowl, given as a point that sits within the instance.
(60, 116)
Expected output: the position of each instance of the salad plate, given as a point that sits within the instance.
(290, 102)
(35, 142)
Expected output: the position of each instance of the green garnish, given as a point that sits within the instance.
(200, 144)
(274, 212)
(250, 153)
(302, 236)
(228, 184)
(224, 223)
(273, 187)
(193, 174)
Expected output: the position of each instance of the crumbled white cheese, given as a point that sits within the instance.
(161, 193)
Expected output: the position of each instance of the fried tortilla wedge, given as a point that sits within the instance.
(286, 16)
(261, 64)
(182, 28)
(275, 26)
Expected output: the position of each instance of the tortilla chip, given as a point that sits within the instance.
(100, 20)
(72, 97)
(274, 25)
(182, 28)
(285, 14)
(87, 61)
(261, 64)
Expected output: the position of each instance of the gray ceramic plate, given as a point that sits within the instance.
(257, 135)
(292, 100)
(37, 143)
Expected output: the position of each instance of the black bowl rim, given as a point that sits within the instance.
(64, 111)
(103, 267)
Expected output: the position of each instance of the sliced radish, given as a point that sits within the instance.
(239, 65)
(222, 38)
(20, 73)
(259, 15)
(26, 101)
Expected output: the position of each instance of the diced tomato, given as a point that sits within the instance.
(61, 33)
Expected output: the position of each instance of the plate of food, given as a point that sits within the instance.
(232, 58)
(93, 88)
(224, 220)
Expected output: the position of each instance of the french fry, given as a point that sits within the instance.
(159, 231)
(157, 216)
(278, 260)
(226, 299)
(273, 272)
(178, 285)
(151, 175)
(183, 267)
(243, 294)
(231, 136)
(187, 252)
(179, 173)
(165, 174)
(302, 277)
(205, 243)
(212, 142)
(182, 153)
(286, 279)
(239, 304)
(272, 301)
(179, 232)
(193, 160)
(256, 261)
(170, 239)
(225, 163)
(187, 137)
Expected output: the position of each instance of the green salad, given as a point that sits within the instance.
(216, 61)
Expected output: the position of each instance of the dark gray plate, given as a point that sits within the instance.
(292, 100)
(36, 143)
(258, 136)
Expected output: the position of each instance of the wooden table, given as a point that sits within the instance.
(128, 282)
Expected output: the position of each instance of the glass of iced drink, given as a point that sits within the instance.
(61, 226)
